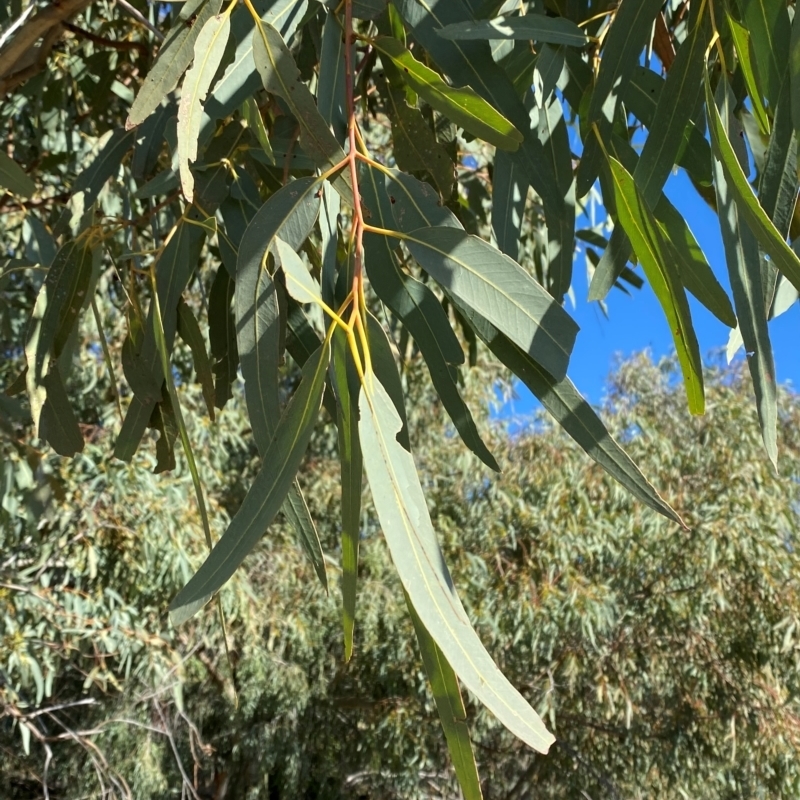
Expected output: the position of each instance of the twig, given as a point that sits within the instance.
(142, 20)
(116, 44)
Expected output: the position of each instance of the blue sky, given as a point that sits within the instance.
(636, 322)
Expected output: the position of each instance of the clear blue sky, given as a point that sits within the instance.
(637, 322)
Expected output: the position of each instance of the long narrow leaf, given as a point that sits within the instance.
(404, 517)
(535, 27)
(265, 496)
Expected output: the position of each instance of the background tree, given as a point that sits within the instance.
(664, 661)
(263, 185)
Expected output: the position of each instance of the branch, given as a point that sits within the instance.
(20, 58)
(116, 44)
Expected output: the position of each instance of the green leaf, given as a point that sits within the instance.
(255, 122)
(266, 495)
(656, 254)
(351, 466)
(675, 107)
(414, 144)
(460, 105)
(629, 32)
(642, 98)
(472, 63)
(299, 282)
(497, 287)
(534, 27)
(744, 268)
(175, 266)
(281, 77)
(741, 40)
(574, 414)
(449, 704)
(55, 314)
(403, 514)
(209, 49)
(794, 71)
(368, 9)
(332, 88)
(57, 422)
(190, 332)
(695, 273)
(509, 195)
(14, 178)
(222, 336)
(418, 308)
(751, 212)
(385, 369)
(290, 213)
(769, 26)
(174, 57)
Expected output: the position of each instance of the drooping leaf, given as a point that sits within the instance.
(574, 414)
(14, 178)
(350, 460)
(471, 63)
(290, 213)
(174, 57)
(280, 76)
(769, 26)
(765, 231)
(406, 524)
(255, 122)
(414, 144)
(744, 268)
(189, 331)
(332, 89)
(656, 255)
(55, 313)
(173, 270)
(222, 336)
(209, 49)
(418, 308)
(299, 282)
(741, 40)
(266, 495)
(535, 27)
(509, 194)
(449, 704)
(642, 98)
(794, 72)
(497, 287)
(627, 36)
(460, 105)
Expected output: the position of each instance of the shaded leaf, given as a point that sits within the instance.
(509, 194)
(460, 105)
(190, 332)
(14, 178)
(535, 27)
(266, 495)
(741, 40)
(769, 26)
(497, 287)
(332, 88)
(174, 57)
(574, 414)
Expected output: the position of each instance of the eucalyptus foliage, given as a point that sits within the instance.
(245, 146)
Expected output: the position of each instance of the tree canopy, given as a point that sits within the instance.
(336, 184)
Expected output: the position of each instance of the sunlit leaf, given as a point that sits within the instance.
(406, 524)
(536, 27)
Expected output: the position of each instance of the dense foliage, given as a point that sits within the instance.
(314, 192)
(665, 661)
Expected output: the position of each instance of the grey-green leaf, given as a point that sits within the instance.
(14, 178)
(174, 57)
(406, 524)
(574, 414)
(266, 495)
(450, 705)
(535, 27)
(208, 51)
(481, 277)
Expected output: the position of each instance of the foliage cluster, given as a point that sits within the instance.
(291, 174)
(665, 661)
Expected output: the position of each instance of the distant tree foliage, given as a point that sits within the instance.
(310, 193)
(665, 661)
